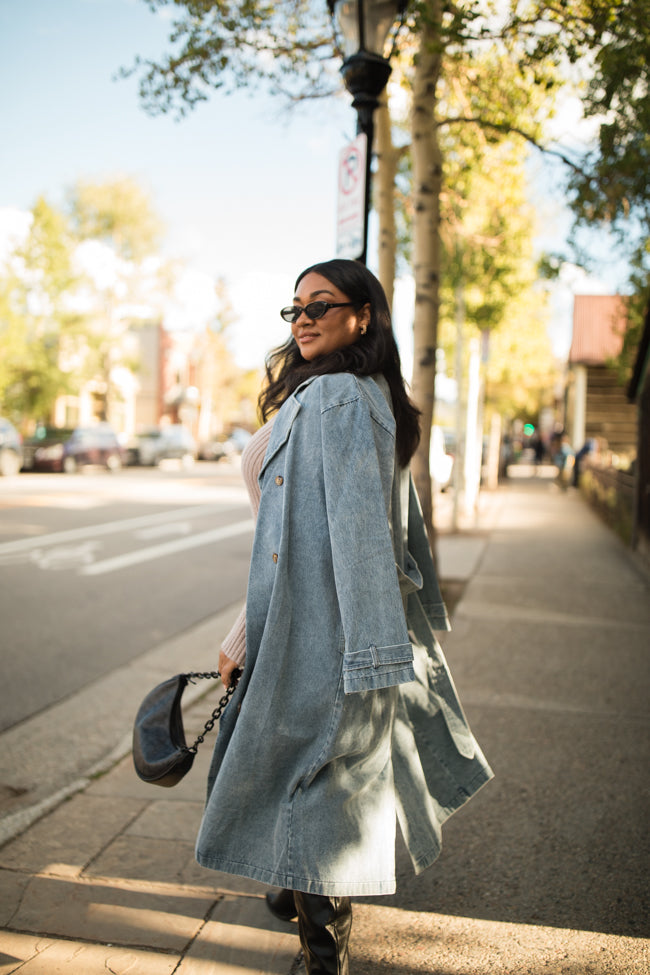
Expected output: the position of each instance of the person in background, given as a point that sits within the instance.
(345, 719)
(590, 446)
(562, 453)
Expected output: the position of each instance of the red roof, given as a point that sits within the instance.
(599, 323)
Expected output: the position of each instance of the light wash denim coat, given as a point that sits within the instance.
(345, 719)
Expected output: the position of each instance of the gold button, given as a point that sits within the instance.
(275, 556)
(279, 480)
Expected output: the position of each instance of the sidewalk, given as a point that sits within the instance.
(545, 872)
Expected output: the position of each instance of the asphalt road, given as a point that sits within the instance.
(97, 568)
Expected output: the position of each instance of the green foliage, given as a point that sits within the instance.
(230, 44)
(50, 347)
(489, 108)
(607, 183)
(488, 238)
(613, 181)
(487, 225)
(39, 329)
(488, 229)
(118, 213)
(612, 187)
(521, 372)
(501, 69)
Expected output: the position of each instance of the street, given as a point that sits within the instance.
(96, 569)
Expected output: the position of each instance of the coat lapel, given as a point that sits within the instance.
(282, 425)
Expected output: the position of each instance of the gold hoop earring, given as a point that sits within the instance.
(364, 329)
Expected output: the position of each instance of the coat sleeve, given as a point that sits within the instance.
(358, 459)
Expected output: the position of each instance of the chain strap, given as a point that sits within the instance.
(218, 711)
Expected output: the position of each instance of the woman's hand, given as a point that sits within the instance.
(228, 669)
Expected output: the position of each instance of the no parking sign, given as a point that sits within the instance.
(351, 199)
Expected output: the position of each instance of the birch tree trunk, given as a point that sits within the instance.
(387, 161)
(427, 185)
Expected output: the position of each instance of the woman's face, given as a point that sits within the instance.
(337, 328)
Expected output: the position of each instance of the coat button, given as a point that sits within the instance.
(275, 556)
(279, 480)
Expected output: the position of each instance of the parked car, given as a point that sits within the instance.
(239, 438)
(215, 449)
(441, 460)
(67, 449)
(11, 449)
(173, 442)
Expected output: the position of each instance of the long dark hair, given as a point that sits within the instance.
(375, 352)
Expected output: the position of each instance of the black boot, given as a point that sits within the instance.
(282, 905)
(324, 926)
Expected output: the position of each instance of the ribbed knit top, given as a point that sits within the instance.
(252, 458)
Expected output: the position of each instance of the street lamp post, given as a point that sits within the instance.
(364, 26)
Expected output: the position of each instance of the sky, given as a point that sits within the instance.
(246, 189)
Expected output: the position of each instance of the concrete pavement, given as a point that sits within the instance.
(546, 871)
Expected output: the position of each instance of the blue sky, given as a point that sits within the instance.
(246, 190)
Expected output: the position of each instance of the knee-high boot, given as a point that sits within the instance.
(282, 904)
(324, 926)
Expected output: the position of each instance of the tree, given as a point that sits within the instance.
(606, 184)
(610, 39)
(40, 330)
(388, 160)
(459, 227)
(228, 393)
(117, 232)
(288, 46)
(611, 187)
(427, 187)
(487, 232)
(521, 373)
(492, 267)
(118, 213)
(213, 49)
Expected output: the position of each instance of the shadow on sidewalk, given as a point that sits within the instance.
(550, 652)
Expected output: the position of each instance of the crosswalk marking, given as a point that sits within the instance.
(108, 528)
(167, 548)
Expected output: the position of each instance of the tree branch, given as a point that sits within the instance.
(505, 128)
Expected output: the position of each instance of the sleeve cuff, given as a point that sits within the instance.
(376, 667)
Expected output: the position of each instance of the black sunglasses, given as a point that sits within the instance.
(314, 310)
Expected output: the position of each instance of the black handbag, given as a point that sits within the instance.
(161, 755)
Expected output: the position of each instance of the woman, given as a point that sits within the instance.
(345, 718)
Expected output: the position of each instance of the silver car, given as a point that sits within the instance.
(11, 449)
(164, 443)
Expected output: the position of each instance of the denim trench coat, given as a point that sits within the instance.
(345, 719)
